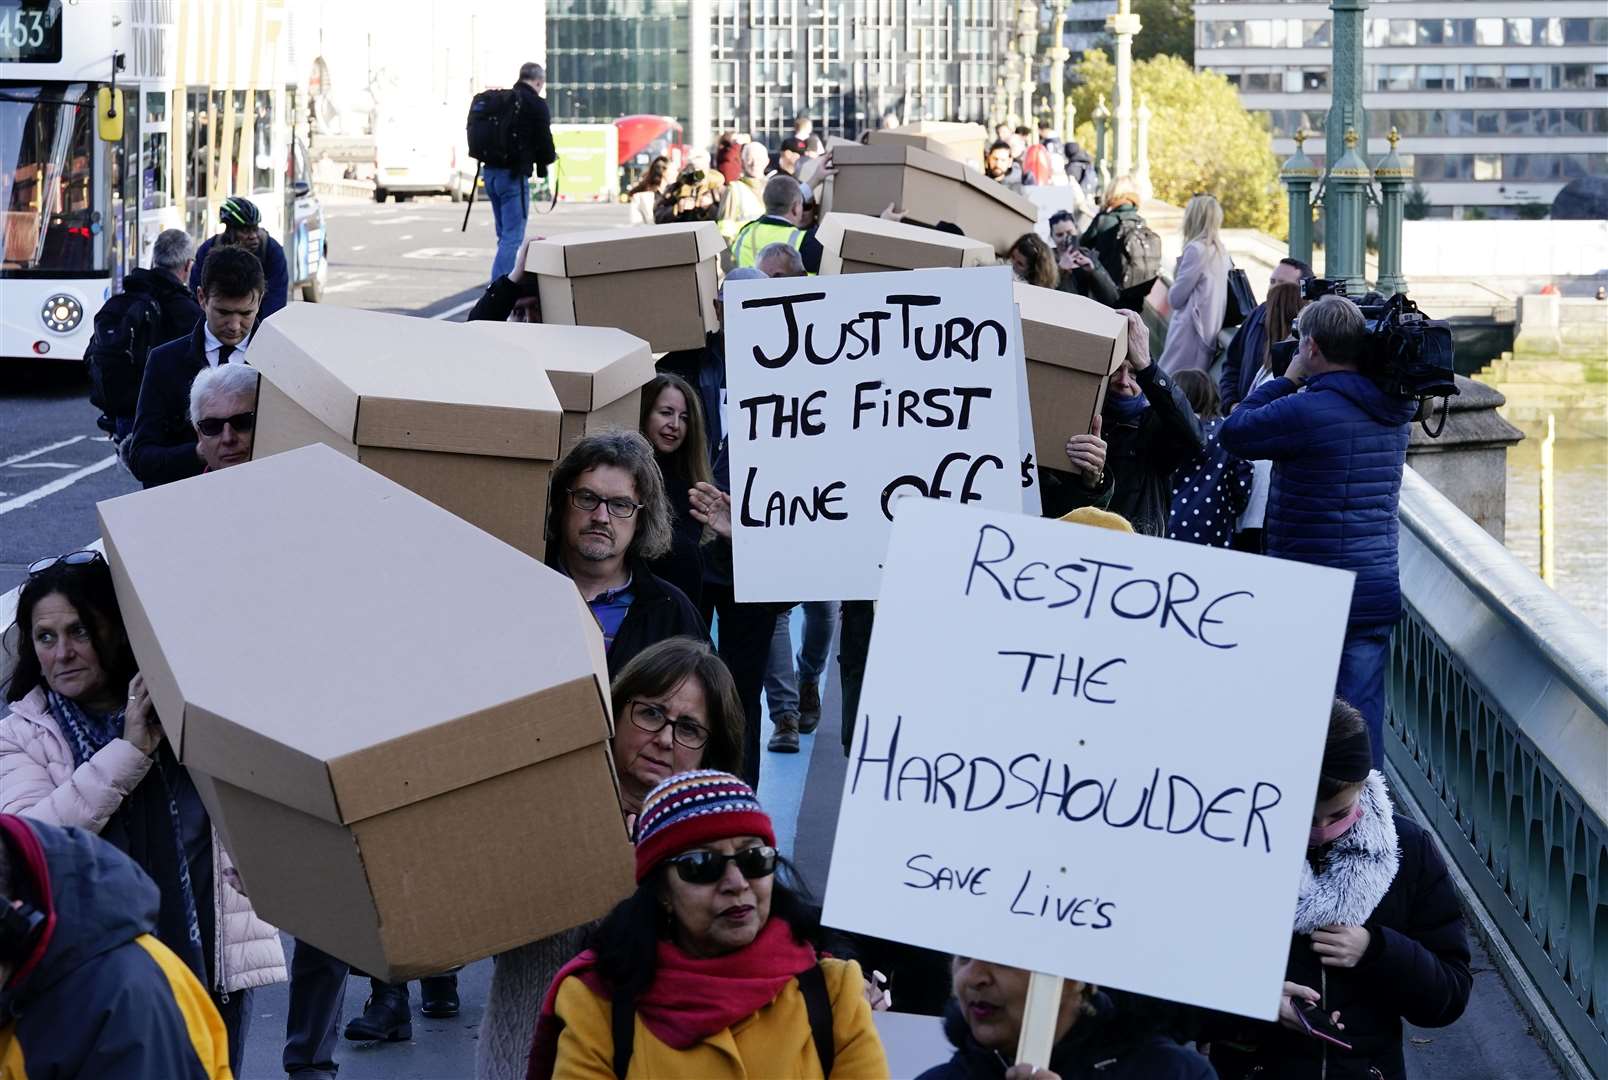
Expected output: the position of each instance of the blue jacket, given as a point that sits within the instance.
(97, 995)
(275, 272)
(1243, 359)
(1337, 447)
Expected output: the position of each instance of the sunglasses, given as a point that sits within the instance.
(212, 426)
(72, 558)
(708, 867)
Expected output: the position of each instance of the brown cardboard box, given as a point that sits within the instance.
(929, 188)
(964, 142)
(655, 281)
(1073, 344)
(466, 421)
(597, 372)
(858, 243)
(399, 724)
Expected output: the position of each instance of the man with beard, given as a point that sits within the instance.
(607, 513)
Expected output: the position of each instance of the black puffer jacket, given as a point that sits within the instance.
(1107, 1045)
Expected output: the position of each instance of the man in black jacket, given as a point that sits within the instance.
(607, 514)
(508, 187)
(175, 315)
(162, 447)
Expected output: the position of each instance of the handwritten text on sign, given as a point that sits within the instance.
(1088, 753)
(847, 393)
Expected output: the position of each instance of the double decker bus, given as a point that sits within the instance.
(122, 118)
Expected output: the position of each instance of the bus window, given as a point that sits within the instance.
(221, 174)
(154, 152)
(47, 148)
(198, 143)
(239, 165)
(262, 133)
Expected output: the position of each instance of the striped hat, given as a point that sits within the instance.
(693, 808)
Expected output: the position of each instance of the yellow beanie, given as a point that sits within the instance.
(1100, 519)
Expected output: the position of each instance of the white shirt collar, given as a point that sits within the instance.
(211, 345)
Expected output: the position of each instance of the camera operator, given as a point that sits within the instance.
(1338, 441)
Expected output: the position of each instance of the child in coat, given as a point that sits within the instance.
(1210, 492)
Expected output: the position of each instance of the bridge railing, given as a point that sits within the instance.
(1498, 730)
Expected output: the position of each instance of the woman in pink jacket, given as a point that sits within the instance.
(83, 747)
(1199, 293)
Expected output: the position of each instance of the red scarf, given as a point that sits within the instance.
(691, 997)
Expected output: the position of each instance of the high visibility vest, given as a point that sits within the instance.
(759, 234)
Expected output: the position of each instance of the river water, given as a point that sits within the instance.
(1580, 517)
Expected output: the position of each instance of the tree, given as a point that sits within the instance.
(1167, 29)
(1416, 206)
(1201, 138)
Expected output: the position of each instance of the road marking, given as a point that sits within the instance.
(445, 253)
(446, 228)
(47, 465)
(450, 312)
(28, 498)
(358, 247)
(405, 236)
(42, 450)
(350, 283)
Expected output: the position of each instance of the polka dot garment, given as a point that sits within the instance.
(1208, 494)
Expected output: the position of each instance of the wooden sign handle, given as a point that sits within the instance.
(1039, 1015)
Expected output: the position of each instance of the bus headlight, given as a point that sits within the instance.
(62, 313)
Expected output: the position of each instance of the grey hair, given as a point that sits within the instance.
(626, 450)
(225, 379)
(786, 252)
(1337, 327)
(532, 72)
(781, 192)
(173, 248)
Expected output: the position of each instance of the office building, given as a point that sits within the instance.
(753, 65)
(1085, 26)
(1497, 110)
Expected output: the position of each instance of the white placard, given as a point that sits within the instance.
(1088, 753)
(850, 391)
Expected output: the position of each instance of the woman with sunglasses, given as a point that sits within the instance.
(675, 710)
(82, 747)
(710, 968)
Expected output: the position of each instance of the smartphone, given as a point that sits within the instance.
(1317, 1023)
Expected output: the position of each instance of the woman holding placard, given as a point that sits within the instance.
(1378, 935)
(710, 968)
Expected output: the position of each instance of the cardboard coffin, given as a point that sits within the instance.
(399, 724)
(1073, 345)
(929, 188)
(463, 420)
(597, 372)
(654, 281)
(858, 243)
(962, 141)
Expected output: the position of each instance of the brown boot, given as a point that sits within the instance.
(784, 740)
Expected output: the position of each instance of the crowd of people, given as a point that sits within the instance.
(718, 965)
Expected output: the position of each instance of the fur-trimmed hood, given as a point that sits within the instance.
(1356, 870)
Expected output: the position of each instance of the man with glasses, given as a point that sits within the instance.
(223, 409)
(607, 513)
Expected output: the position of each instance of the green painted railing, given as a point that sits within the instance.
(1498, 730)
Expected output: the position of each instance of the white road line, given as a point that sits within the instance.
(41, 450)
(450, 312)
(28, 498)
(47, 465)
(349, 283)
(446, 228)
(406, 236)
(357, 247)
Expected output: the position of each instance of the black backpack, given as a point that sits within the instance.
(491, 128)
(1138, 251)
(116, 353)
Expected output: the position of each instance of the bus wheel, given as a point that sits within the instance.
(379, 194)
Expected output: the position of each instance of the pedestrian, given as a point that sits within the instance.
(694, 196)
(1199, 292)
(1338, 444)
(1099, 1035)
(1033, 263)
(782, 223)
(87, 991)
(607, 516)
(683, 715)
(1211, 490)
(744, 200)
(508, 186)
(672, 422)
(1378, 936)
(1241, 361)
(727, 152)
(1276, 324)
(162, 447)
(710, 969)
(242, 228)
(1078, 270)
(1001, 166)
(155, 307)
(223, 411)
(83, 747)
(1128, 248)
(645, 193)
(1080, 167)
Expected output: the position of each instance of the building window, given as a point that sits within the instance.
(1487, 166)
(262, 140)
(1315, 79)
(1315, 33)
(1520, 32)
(1488, 31)
(154, 152)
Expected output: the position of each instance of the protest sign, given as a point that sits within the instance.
(846, 392)
(1088, 753)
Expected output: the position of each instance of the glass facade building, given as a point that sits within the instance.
(1495, 110)
(612, 58)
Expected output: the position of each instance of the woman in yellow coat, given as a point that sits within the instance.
(708, 970)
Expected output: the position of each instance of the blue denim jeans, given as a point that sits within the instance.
(782, 671)
(1361, 682)
(510, 209)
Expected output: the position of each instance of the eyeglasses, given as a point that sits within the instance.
(708, 867)
(591, 500)
(684, 730)
(212, 426)
(72, 558)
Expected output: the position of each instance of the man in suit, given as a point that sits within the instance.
(163, 447)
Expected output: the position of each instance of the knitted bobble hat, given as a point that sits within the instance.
(695, 808)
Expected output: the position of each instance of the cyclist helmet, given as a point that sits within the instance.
(241, 212)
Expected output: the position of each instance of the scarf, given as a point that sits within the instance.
(1354, 872)
(147, 827)
(1125, 410)
(691, 997)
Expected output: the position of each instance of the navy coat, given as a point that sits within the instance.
(1337, 447)
(275, 272)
